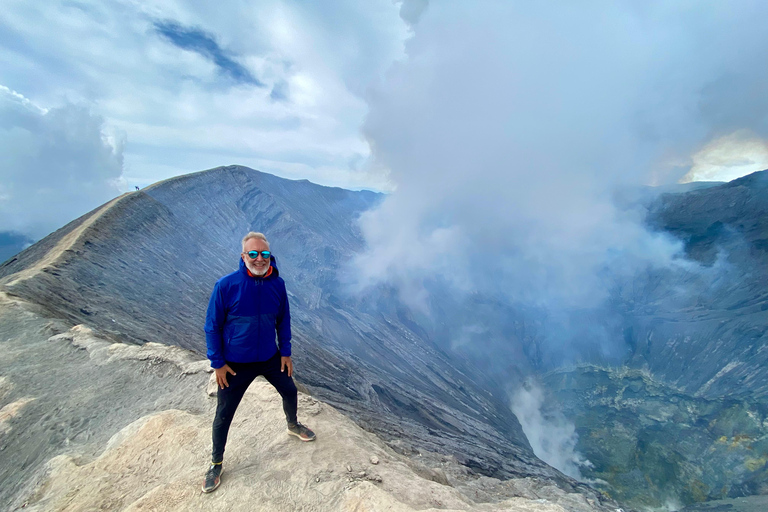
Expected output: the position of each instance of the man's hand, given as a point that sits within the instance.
(221, 375)
(285, 362)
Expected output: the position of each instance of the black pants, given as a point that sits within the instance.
(229, 397)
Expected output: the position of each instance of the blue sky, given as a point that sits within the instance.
(97, 97)
(198, 41)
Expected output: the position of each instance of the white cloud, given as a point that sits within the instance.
(185, 86)
(180, 113)
(729, 157)
(55, 164)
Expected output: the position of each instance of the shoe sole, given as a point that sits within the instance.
(216, 486)
(301, 438)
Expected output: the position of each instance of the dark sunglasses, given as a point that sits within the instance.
(255, 254)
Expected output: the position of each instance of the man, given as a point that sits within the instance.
(246, 308)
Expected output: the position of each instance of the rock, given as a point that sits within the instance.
(745, 504)
(117, 272)
(212, 389)
(628, 422)
(170, 450)
(10, 411)
(65, 336)
(374, 459)
(5, 386)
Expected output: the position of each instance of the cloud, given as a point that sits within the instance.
(515, 161)
(279, 91)
(411, 10)
(196, 40)
(179, 78)
(729, 157)
(56, 165)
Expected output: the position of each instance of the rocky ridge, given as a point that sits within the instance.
(705, 330)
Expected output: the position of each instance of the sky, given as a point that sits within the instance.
(99, 97)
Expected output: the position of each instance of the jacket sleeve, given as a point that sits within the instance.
(283, 324)
(214, 327)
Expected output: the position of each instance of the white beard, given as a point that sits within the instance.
(256, 271)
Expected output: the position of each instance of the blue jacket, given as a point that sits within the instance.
(243, 315)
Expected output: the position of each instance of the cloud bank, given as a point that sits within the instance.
(276, 86)
(55, 165)
(729, 157)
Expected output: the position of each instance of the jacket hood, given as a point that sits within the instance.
(272, 263)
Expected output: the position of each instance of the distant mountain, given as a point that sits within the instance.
(141, 268)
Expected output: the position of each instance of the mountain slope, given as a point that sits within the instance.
(705, 331)
(141, 269)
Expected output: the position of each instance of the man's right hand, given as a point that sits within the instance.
(221, 375)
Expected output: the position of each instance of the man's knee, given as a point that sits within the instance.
(291, 388)
(225, 411)
(222, 418)
(286, 387)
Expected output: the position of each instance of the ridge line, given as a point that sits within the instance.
(57, 251)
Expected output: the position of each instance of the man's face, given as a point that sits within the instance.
(259, 266)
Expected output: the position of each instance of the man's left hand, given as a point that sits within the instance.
(285, 362)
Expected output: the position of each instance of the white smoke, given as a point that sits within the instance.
(510, 125)
(552, 437)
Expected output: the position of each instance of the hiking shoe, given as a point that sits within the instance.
(302, 432)
(212, 478)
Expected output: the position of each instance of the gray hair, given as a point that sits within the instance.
(253, 234)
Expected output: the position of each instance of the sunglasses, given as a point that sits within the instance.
(255, 254)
